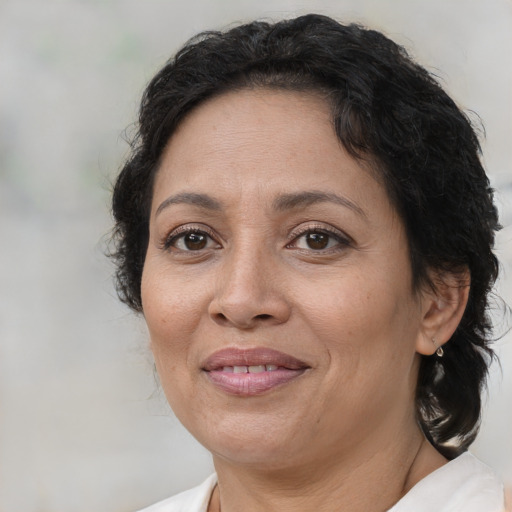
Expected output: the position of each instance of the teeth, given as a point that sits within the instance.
(256, 369)
(250, 369)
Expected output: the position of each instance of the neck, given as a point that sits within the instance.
(372, 481)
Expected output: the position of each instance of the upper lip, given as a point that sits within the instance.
(251, 357)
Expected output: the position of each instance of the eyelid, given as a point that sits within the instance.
(338, 244)
(323, 228)
(184, 229)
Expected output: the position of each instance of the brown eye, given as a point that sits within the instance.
(195, 241)
(189, 241)
(317, 241)
(320, 240)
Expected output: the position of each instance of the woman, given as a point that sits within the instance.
(306, 227)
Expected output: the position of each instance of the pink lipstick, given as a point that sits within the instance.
(250, 372)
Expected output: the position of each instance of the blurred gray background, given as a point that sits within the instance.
(83, 425)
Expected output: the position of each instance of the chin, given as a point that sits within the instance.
(262, 443)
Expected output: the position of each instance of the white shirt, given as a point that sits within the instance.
(462, 485)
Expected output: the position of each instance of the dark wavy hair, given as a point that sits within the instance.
(387, 110)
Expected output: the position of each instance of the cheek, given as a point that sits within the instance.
(172, 310)
(169, 299)
(368, 335)
(361, 319)
(171, 313)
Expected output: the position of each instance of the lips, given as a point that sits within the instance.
(250, 372)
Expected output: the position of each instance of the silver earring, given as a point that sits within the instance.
(439, 350)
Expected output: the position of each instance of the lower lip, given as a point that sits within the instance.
(252, 384)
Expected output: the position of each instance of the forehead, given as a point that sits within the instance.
(259, 139)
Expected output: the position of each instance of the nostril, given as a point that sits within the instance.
(264, 316)
(220, 319)
(223, 319)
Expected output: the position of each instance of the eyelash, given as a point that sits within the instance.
(182, 231)
(342, 240)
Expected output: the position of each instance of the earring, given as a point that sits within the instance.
(439, 350)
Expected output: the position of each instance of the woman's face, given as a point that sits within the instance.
(277, 286)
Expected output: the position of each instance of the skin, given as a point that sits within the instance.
(344, 432)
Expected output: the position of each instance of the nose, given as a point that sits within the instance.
(249, 292)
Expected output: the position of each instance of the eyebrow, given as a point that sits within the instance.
(307, 198)
(201, 200)
(282, 203)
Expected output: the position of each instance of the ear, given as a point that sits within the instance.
(443, 305)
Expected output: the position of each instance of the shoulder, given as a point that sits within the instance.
(462, 485)
(193, 500)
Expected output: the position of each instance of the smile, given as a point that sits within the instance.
(251, 372)
(250, 369)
